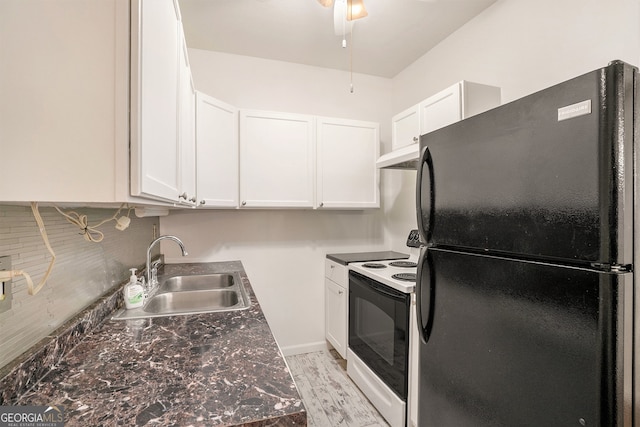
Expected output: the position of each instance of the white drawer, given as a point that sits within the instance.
(337, 273)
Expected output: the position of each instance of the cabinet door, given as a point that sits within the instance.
(154, 111)
(336, 272)
(405, 127)
(441, 109)
(276, 159)
(217, 152)
(187, 167)
(347, 151)
(336, 303)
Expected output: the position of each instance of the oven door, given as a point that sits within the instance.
(379, 329)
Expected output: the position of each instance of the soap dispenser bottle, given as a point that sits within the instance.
(133, 292)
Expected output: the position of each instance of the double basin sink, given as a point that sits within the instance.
(192, 294)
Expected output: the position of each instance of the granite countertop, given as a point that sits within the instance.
(346, 258)
(216, 369)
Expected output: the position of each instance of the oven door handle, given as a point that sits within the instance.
(425, 322)
(386, 291)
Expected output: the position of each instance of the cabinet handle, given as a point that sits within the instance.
(193, 199)
(332, 266)
(183, 196)
(415, 139)
(202, 202)
(321, 204)
(244, 203)
(340, 292)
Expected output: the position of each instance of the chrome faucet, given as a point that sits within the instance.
(152, 280)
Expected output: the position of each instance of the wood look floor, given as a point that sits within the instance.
(330, 397)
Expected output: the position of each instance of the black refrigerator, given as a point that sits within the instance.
(525, 284)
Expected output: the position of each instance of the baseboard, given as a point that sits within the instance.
(304, 348)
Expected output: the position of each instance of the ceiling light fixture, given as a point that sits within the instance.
(355, 10)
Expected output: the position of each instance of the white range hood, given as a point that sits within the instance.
(402, 158)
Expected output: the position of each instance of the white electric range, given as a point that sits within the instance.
(399, 274)
(380, 307)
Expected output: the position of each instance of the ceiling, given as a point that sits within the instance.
(394, 35)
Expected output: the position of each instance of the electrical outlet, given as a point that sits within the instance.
(5, 287)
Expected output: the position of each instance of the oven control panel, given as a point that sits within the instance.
(413, 241)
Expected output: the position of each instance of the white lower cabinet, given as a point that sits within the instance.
(277, 160)
(217, 153)
(336, 305)
(347, 176)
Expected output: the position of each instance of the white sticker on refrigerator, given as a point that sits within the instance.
(574, 110)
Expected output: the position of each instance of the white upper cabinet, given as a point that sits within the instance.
(459, 101)
(155, 56)
(64, 119)
(96, 125)
(347, 176)
(441, 109)
(299, 161)
(277, 160)
(217, 153)
(405, 127)
(187, 128)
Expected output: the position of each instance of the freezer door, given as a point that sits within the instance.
(513, 343)
(548, 176)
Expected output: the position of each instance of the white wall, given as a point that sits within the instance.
(524, 46)
(255, 83)
(283, 251)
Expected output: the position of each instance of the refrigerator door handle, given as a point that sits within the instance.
(425, 231)
(424, 322)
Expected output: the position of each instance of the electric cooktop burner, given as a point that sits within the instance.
(374, 265)
(403, 264)
(407, 277)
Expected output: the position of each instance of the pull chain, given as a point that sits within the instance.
(351, 61)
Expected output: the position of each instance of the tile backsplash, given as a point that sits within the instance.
(83, 270)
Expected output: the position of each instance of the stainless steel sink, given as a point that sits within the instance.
(197, 283)
(191, 301)
(192, 294)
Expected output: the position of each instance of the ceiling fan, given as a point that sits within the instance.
(355, 8)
